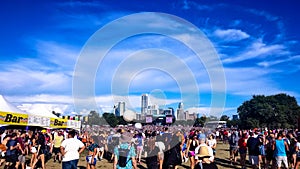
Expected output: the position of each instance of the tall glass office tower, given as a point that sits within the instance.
(144, 104)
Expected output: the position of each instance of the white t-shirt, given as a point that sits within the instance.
(71, 146)
(211, 142)
(160, 145)
(298, 145)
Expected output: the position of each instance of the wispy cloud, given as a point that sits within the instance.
(274, 62)
(264, 14)
(231, 34)
(258, 50)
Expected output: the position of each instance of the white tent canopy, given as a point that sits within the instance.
(38, 110)
(5, 106)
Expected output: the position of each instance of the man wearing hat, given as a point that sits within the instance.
(204, 161)
(124, 153)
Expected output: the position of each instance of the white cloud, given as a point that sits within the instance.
(274, 62)
(264, 14)
(258, 50)
(231, 34)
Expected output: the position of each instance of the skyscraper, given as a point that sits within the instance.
(144, 104)
(180, 112)
(120, 109)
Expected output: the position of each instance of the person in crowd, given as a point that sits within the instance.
(242, 144)
(212, 142)
(124, 153)
(217, 135)
(225, 136)
(58, 139)
(41, 150)
(91, 158)
(202, 142)
(292, 156)
(101, 144)
(21, 151)
(3, 149)
(84, 137)
(139, 146)
(280, 146)
(253, 150)
(11, 156)
(204, 158)
(269, 151)
(33, 147)
(152, 159)
(262, 150)
(233, 146)
(69, 150)
(167, 137)
(172, 157)
(297, 153)
(191, 146)
(161, 146)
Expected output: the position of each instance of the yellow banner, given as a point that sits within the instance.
(58, 123)
(13, 118)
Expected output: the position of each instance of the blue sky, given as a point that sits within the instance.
(257, 43)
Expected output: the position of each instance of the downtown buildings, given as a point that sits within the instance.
(152, 112)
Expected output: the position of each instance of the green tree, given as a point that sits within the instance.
(93, 118)
(110, 119)
(224, 118)
(275, 111)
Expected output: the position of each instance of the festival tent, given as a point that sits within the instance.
(41, 115)
(5, 106)
(11, 115)
(41, 110)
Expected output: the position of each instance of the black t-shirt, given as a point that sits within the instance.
(253, 146)
(152, 157)
(41, 141)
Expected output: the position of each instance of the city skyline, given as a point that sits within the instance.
(45, 42)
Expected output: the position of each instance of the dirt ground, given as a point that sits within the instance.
(221, 159)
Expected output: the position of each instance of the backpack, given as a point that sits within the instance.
(123, 154)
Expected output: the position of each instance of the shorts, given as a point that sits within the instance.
(161, 155)
(253, 160)
(191, 153)
(33, 150)
(280, 159)
(242, 151)
(56, 150)
(184, 147)
(234, 151)
(22, 159)
(11, 158)
(2, 156)
(89, 160)
(139, 148)
(43, 151)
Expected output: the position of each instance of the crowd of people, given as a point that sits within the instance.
(265, 148)
(159, 147)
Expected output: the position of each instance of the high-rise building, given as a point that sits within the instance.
(144, 104)
(180, 112)
(153, 110)
(120, 109)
